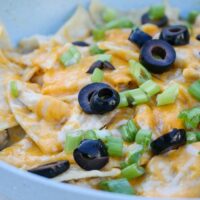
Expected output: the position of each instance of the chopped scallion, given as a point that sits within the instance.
(97, 75)
(90, 135)
(104, 57)
(70, 57)
(168, 96)
(135, 155)
(94, 49)
(139, 73)
(123, 100)
(157, 12)
(119, 23)
(128, 131)
(72, 141)
(117, 186)
(109, 14)
(143, 137)
(98, 34)
(132, 171)
(14, 90)
(137, 96)
(191, 137)
(192, 16)
(194, 90)
(115, 146)
(191, 117)
(150, 88)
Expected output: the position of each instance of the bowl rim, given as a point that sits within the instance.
(78, 190)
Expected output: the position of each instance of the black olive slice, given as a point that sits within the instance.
(101, 65)
(91, 155)
(51, 170)
(169, 141)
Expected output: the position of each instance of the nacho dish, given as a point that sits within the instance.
(111, 101)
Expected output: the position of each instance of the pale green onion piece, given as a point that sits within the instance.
(72, 141)
(102, 134)
(94, 49)
(143, 137)
(192, 16)
(139, 73)
(104, 57)
(14, 90)
(135, 155)
(194, 90)
(191, 117)
(98, 34)
(97, 75)
(117, 186)
(70, 57)
(123, 100)
(191, 137)
(132, 171)
(168, 96)
(128, 131)
(156, 12)
(137, 96)
(123, 164)
(150, 88)
(109, 14)
(119, 23)
(115, 146)
(90, 135)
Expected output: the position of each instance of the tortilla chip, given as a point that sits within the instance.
(122, 52)
(27, 45)
(82, 121)
(76, 173)
(39, 115)
(78, 27)
(96, 9)
(5, 42)
(26, 155)
(7, 119)
(175, 174)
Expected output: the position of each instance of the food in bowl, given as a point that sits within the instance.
(111, 102)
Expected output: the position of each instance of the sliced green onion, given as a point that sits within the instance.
(97, 75)
(135, 155)
(102, 134)
(194, 90)
(132, 171)
(70, 57)
(90, 135)
(94, 49)
(137, 96)
(143, 137)
(117, 186)
(128, 131)
(123, 100)
(14, 90)
(192, 16)
(123, 164)
(115, 146)
(98, 34)
(150, 88)
(191, 117)
(104, 57)
(72, 141)
(191, 137)
(109, 14)
(157, 12)
(168, 96)
(139, 73)
(119, 23)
